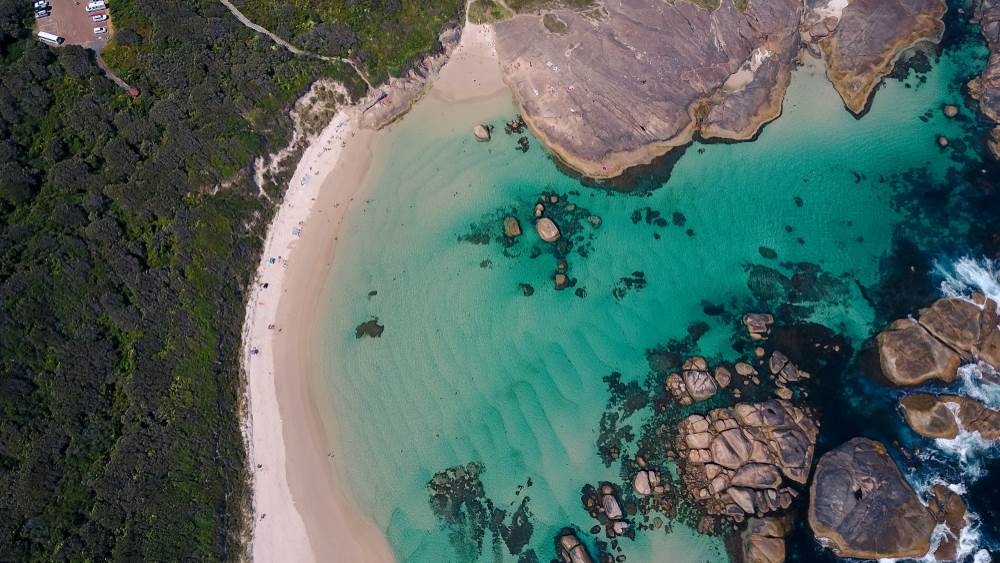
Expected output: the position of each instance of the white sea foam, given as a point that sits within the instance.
(967, 275)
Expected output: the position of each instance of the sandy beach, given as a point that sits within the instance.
(303, 510)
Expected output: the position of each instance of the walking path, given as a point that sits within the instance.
(114, 77)
(292, 48)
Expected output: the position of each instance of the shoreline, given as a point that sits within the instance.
(303, 509)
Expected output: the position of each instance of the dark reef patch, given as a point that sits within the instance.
(369, 328)
(459, 501)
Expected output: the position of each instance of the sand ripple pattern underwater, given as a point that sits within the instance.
(472, 423)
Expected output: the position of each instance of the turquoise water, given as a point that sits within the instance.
(471, 370)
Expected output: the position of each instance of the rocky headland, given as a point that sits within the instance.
(614, 85)
(869, 37)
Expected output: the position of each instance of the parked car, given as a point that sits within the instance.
(41, 5)
(100, 30)
(42, 14)
(99, 17)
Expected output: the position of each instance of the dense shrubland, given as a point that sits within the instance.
(129, 230)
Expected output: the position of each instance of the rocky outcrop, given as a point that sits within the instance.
(627, 81)
(870, 36)
(695, 383)
(758, 325)
(481, 132)
(950, 331)
(511, 227)
(763, 540)
(860, 505)
(944, 416)
(748, 459)
(986, 88)
(570, 549)
(547, 229)
(624, 82)
(949, 509)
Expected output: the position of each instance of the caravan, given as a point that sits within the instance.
(96, 6)
(50, 38)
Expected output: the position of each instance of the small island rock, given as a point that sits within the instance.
(482, 132)
(547, 229)
(511, 227)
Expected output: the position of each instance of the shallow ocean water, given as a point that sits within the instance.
(469, 369)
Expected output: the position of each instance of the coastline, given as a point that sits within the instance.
(303, 509)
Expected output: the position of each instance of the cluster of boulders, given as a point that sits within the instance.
(860, 504)
(862, 507)
(951, 331)
(932, 347)
(647, 482)
(749, 459)
(758, 325)
(695, 383)
(603, 505)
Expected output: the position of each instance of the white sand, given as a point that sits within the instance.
(302, 509)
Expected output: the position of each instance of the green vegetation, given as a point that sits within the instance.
(129, 231)
(523, 6)
(553, 23)
(487, 11)
(384, 35)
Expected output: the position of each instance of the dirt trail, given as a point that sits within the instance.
(292, 48)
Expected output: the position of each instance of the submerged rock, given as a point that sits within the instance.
(861, 506)
(369, 328)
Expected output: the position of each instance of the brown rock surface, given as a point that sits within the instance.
(868, 39)
(763, 540)
(547, 229)
(942, 416)
(948, 332)
(624, 82)
(629, 80)
(860, 505)
(949, 509)
(748, 458)
(986, 88)
(909, 355)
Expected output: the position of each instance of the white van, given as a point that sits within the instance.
(96, 6)
(50, 38)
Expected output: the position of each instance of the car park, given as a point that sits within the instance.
(99, 17)
(100, 30)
